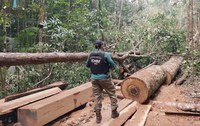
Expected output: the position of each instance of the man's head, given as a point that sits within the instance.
(99, 44)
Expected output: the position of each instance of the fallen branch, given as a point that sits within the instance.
(181, 113)
(182, 106)
(44, 78)
(195, 95)
(182, 78)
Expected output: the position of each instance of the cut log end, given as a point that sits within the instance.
(135, 89)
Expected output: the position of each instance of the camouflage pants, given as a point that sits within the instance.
(108, 86)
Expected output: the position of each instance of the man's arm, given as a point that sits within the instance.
(110, 61)
(87, 62)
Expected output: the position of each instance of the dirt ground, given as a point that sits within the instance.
(156, 117)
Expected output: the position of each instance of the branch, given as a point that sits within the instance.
(44, 78)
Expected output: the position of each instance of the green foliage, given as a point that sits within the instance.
(26, 38)
(74, 73)
(196, 61)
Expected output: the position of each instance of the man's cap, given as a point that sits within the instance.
(98, 43)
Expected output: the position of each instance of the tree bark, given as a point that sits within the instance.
(142, 84)
(12, 59)
(171, 67)
(190, 22)
(3, 70)
(192, 107)
(40, 20)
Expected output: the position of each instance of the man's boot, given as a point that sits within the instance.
(98, 116)
(115, 114)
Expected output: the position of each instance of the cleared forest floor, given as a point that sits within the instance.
(156, 117)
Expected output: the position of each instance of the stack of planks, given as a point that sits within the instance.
(132, 113)
(39, 106)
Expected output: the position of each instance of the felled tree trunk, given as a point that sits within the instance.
(171, 67)
(142, 84)
(192, 107)
(12, 59)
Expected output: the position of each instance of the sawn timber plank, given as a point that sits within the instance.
(124, 115)
(8, 106)
(44, 111)
(106, 114)
(139, 118)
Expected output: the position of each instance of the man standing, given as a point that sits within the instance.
(99, 63)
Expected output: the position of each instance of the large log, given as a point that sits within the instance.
(44, 111)
(171, 67)
(142, 84)
(60, 84)
(13, 59)
(8, 106)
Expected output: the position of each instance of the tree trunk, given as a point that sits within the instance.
(180, 18)
(12, 59)
(190, 22)
(171, 67)
(142, 84)
(118, 9)
(3, 70)
(40, 20)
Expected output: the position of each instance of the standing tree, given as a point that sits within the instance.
(190, 22)
(40, 20)
(2, 70)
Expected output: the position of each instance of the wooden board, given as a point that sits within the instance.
(7, 106)
(124, 115)
(106, 114)
(44, 111)
(139, 118)
(60, 84)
